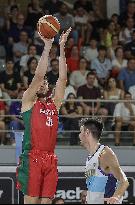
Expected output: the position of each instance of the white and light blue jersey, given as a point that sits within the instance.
(99, 184)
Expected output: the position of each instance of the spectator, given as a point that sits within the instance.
(10, 81)
(85, 4)
(102, 65)
(66, 20)
(12, 16)
(51, 6)
(115, 20)
(126, 34)
(91, 51)
(34, 13)
(124, 116)
(29, 74)
(109, 33)
(58, 201)
(115, 44)
(119, 62)
(38, 43)
(20, 48)
(127, 75)
(69, 89)
(72, 110)
(32, 52)
(15, 111)
(90, 92)
(82, 24)
(53, 55)
(73, 60)
(83, 196)
(129, 13)
(132, 91)
(15, 30)
(2, 120)
(53, 75)
(69, 46)
(112, 92)
(78, 78)
(131, 46)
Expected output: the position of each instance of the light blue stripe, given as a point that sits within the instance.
(97, 184)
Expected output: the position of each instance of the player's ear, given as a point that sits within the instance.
(87, 132)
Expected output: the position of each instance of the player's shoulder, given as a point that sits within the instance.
(107, 153)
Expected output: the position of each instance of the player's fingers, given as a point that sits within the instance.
(68, 31)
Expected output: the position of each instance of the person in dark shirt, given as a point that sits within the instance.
(51, 6)
(29, 74)
(53, 75)
(131, 46)
(15, 111)
(10, 81)
(89, 92)
(85, 4)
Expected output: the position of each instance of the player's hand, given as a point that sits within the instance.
(48, 42)
(112, 200)
(64, 36)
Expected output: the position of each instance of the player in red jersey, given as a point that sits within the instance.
(37, 174)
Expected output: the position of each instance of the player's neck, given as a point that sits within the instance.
(93, 147)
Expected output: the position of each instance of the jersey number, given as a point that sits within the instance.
(49, 122)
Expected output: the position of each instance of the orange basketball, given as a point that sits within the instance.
(48, 26)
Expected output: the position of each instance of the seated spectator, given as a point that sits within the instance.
(53, 55)
(15, 30)
(124, 116)
(129, 13)
(131, 46)
(110, 31)
(20, 48)
(2, 120)
(132, 91)
(72, 110)
(82, 24)
(10, 81)
(12, 16)
(127, 75)
(119, 62)
(73, 60)
(69, 89)
(58, 201)
(15, 111)
(126, 34)
(53, 75)
(112, 92)
(85, 4)
(29, 74)
(90, 92)
(83, 197)
(69, 46)
(115, 20)
(66, 20)
(78, 78)
(52, 6)
(112, 48)
(38, 43)
(32, 52)
(34, 13)
(102, 65)
(90, 52)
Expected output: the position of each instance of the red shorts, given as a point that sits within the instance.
(37, 174)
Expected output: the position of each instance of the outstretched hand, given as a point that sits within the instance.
(64, 36)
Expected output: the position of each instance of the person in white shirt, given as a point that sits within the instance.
(132, 91)
(124, 115)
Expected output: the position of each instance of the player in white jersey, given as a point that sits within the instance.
(106, 182)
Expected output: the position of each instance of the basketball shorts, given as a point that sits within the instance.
(37, 174)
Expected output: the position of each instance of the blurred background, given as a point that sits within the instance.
(100, 56)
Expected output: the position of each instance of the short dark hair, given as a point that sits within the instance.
(56, 200)
(102, 48)
(91, 73)
(94, 125)
(54, 60)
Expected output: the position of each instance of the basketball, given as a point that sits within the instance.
(48, 26)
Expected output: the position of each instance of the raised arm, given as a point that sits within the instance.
(61, 83)
(29, 95)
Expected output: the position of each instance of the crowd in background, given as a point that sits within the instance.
(100, 56)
